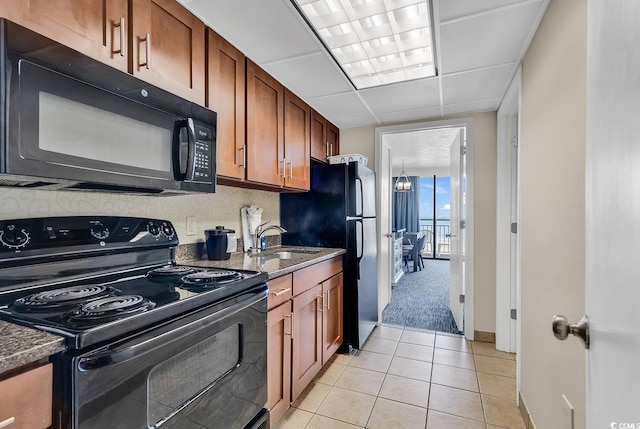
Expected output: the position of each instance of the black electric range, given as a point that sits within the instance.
(91, 279)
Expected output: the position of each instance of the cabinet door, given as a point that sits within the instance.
(331, 316)
(307, 339)
(97, 29)
(319, 143)
(27, 399)
(279, 327)
(333, 139)
(265, 127)
(297, 145)
(168, 47)
(226, 96)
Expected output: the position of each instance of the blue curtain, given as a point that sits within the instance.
(406, 206)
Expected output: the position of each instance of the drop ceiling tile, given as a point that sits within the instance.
(264, 30)
(414, 94)
(344, 123)
(472, 106)
(337, 106)
(476, 85)
(311, 75)
(409, 115)
(450, 9)
(486, 40)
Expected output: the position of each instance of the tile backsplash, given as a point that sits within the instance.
(221, 208)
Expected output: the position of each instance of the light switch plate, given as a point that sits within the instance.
(567, 413)
(191, 225)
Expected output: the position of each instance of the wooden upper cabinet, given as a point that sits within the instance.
(297, 124)
(226, 96)
(97, 29)
(167, 47)
(319, 144)
(333, 139)
(265, 127)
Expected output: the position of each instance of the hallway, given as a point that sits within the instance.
(407, 378)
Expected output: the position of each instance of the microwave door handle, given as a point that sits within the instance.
(184, 146)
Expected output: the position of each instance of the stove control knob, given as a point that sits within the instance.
(153, 229)
(99, 231)
(13, 237)
(167, 229)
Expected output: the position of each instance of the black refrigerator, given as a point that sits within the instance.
(340, 211)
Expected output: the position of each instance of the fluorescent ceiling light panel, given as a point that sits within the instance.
(376, 42)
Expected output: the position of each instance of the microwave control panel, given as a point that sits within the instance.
(202, 159)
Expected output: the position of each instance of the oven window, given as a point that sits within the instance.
(174, 382)
(71, 128)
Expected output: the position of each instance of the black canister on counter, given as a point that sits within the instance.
(218, 243)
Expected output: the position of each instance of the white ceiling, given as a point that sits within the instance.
(479, 45)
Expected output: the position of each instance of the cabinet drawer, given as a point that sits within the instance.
(308, 277)
(27, 398)
(280, 290)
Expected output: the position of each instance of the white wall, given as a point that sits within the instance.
(221, 208)
(553, 133)
(362, 140)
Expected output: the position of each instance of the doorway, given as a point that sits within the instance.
(387, 151)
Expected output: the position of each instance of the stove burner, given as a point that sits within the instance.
(107, 309)
(171, 270)
(62, 298)
(210, 279)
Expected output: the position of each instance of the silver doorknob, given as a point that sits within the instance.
(388, 235)
(562, 328)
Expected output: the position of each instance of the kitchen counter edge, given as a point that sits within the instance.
(273, 267)
(22, 346)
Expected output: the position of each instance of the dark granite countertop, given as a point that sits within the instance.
(262, 262)
(21, 346)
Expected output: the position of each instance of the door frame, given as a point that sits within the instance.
(383, 178)
(508, 254)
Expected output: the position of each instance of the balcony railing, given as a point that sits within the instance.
(438, 245)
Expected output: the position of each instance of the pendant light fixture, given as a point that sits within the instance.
(403, 184)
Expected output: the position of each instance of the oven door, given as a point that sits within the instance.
(206, 370)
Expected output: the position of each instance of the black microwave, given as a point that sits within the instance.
(71, 122)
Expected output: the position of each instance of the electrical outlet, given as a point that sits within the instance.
(191, 225)
(567, 413)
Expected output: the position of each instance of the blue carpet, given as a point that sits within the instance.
(421, 299)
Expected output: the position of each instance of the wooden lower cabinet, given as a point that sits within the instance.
(304, 330)
(279, 360)
(307, 339)
(26, 399)
(331, 316)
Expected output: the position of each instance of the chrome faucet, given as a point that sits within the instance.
(260, 231)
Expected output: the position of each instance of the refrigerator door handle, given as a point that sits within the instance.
(359, 198)
(350, 218)
(360, 241)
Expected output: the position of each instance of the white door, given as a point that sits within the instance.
(385, 259)
(613, 214)
(456, 266)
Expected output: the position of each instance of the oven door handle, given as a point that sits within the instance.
(108, 357)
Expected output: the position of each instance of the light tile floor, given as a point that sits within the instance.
(407, 378)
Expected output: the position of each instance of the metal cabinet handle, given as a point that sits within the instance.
(281, 292)
(321, 297)
(284, 164)
(147, 48)
(244, 156)
(326, 150)
(562, 328)
(328, 300)
(122, 40)
(7, 422)
(290, 169)
(290, 317)
(331, 149)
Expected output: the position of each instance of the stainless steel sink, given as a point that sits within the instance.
(289, 254)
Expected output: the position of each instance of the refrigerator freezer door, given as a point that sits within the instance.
(365, 191)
